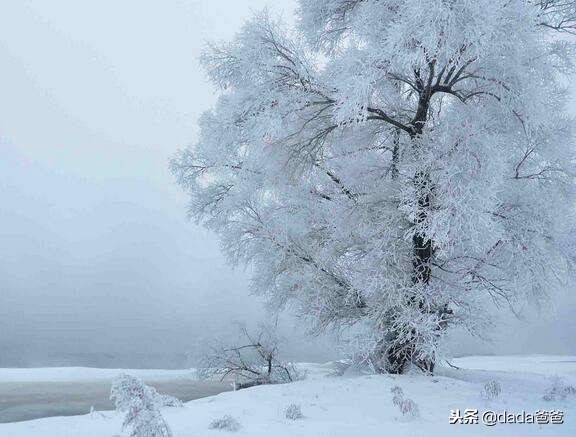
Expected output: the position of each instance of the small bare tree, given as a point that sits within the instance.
(253, 362)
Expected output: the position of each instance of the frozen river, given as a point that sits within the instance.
(27, 394)
(47, 393)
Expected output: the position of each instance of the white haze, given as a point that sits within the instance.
(98, 264)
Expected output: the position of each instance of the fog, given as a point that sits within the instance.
(98, 263)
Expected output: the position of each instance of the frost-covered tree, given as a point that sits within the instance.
(397, 165)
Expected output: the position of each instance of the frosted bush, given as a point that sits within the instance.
(225, 423)
(406, 406)
(340, 368)
(491, 390)
(397, 396)
(141, 404)
(252, 362)
(293, 412)
(558, 390)
(409, 408)
(168, 401)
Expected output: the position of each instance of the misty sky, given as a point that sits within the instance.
(96, 254)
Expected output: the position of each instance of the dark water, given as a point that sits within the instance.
(34, 400)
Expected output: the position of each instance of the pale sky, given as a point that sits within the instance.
(96, 254)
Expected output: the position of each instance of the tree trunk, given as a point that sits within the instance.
(400, 354)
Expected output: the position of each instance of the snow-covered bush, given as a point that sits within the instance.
(491, 390)
(254, 361)
(409, 408)
(293, 412)
(340, 368)
(397, 391)
(142, 404)
(397, 396)
(406, 406)
(558, 390)
(225, 423)
(165, 400)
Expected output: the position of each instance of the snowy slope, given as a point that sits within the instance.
(358, 405)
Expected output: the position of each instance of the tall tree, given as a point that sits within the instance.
(397, 165)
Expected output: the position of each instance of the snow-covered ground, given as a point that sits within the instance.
(338, 406)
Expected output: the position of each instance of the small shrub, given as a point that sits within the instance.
(225, 423)
(406, 406)
(409, 408)
(168, 401)
(397, 396)
(340, 368)
(558, 390)
(293, 412)
(252, 362)
(491, 390)
(141, 404)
